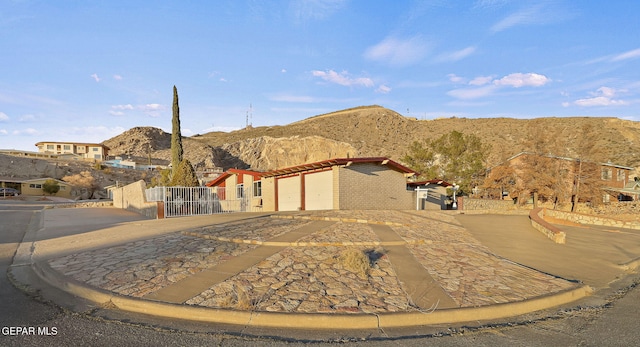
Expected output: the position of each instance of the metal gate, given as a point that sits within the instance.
(193, 201)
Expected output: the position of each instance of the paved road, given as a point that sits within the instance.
(613, 325)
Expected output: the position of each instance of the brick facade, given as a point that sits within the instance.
(370, 186)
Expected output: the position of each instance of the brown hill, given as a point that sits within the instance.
(370, 131)
(377, 131)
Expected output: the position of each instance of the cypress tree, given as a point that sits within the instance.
(176, 136)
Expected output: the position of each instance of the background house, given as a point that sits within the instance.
(604, 177)
(34, 187)
(93, 151)
(375, 183)
(238, 190)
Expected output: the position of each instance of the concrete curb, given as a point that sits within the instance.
(309, 243)
(305, 320)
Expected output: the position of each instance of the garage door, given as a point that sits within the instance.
(289, 193)
(318, 193)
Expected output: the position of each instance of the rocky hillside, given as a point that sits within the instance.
(369, 131)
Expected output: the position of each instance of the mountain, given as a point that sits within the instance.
(371, 131)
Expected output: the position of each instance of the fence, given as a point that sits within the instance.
(193, 201)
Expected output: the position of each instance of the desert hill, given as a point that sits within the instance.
(369, 131)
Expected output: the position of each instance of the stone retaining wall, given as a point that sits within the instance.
(80, 204)
(593, 219)
(471, 204)
(538, 222)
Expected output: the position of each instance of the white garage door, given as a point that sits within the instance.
(318, 191)
(289, 193)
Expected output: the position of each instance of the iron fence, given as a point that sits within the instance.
(192, 201)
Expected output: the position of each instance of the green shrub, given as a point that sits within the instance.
(50, 187)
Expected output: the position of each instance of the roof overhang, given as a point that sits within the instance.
(346, 162)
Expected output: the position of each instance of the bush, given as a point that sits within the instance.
(184, 175)
(357, 261)
(50, 187)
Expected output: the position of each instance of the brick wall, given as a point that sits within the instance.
(369, 186)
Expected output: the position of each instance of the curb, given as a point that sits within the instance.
(305, 320)
(307, 243)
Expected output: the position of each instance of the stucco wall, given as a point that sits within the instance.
(132, 197)
(268, 194)
(371, 186)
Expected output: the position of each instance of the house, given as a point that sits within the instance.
(374, 183)
(93, 151)
(34, 187)
(610, 177)
(630, 192)
(436, 194)
(238, 190)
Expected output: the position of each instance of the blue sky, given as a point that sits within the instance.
(86, 71)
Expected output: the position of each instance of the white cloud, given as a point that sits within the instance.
(472, 93)
(490, 3)
(152, 110)
(487, 85)
(122, 107)
(315, 9)
(343, 78)
(27, 131)
(518, 80)
(627, 55)
(398, 52)
(283, 70)
(220, 128)
(457, 55)
(604, 96)
(116, 113)
(529, 15)
(95, 77)
(117, 77)
(455, 78)
(292, 98)
(481, 80)
(4, 132)
(383, 89)
(3, 117)
(27, 118)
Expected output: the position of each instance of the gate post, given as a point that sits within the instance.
(160, 209)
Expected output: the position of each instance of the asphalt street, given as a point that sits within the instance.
(614, 322)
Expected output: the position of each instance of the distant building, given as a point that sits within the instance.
(93, 151)
(613, 178)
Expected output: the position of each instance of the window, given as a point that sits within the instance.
(35, 186)
(240, 191)
(49, 146)
(257, 188)
(67, 147)
(606, 173)
(620, 175)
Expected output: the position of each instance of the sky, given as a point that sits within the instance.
(85, 71)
